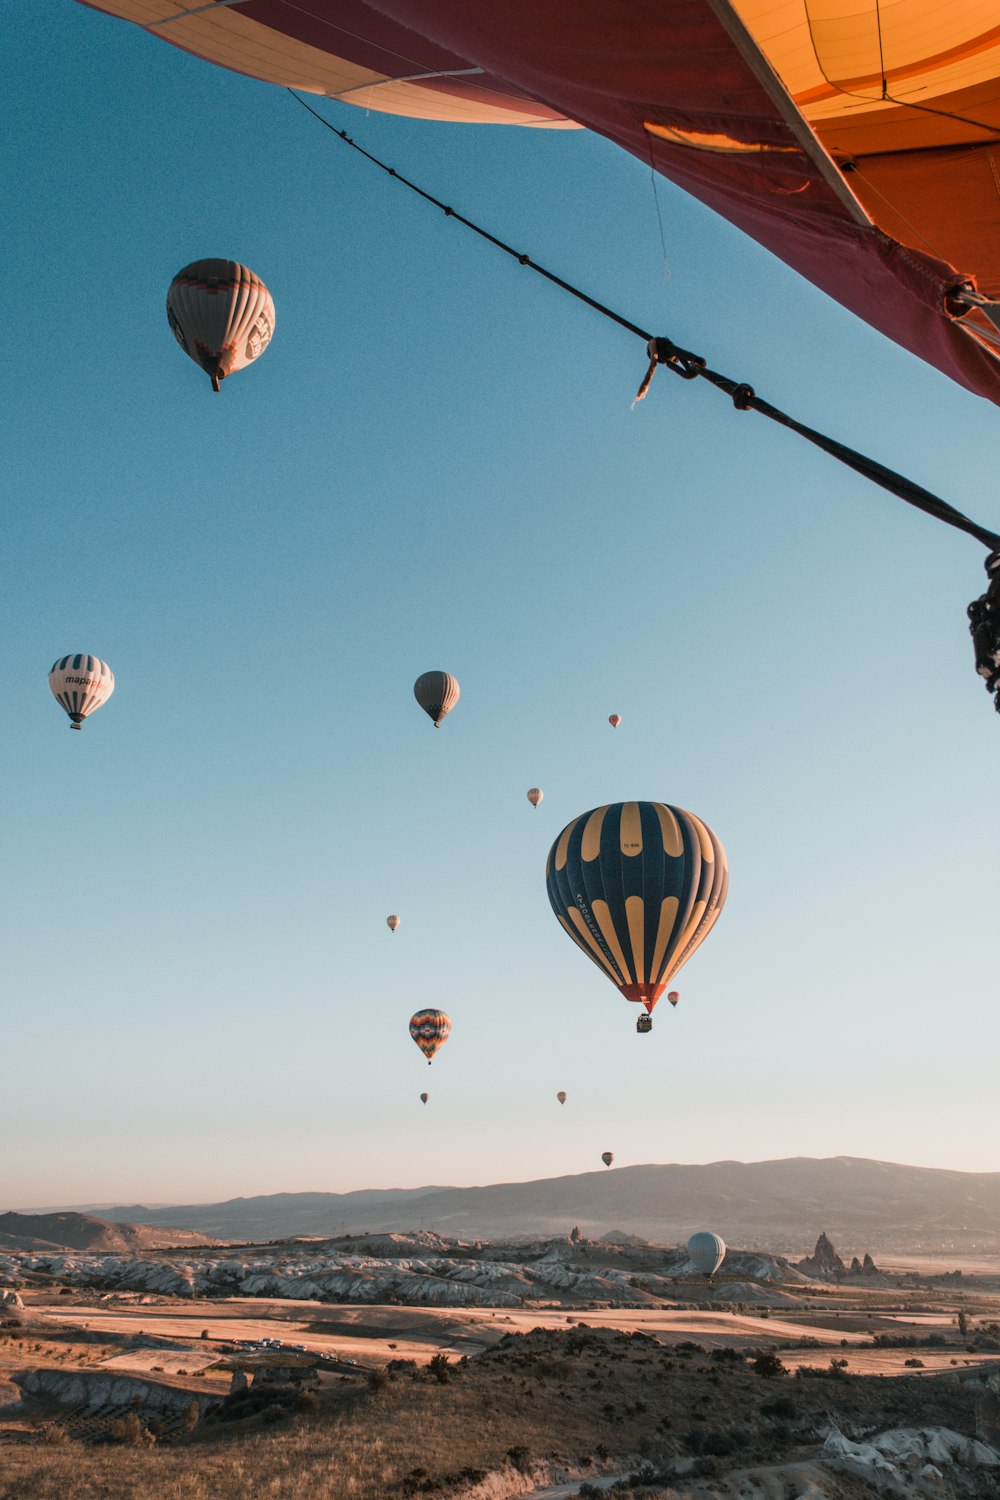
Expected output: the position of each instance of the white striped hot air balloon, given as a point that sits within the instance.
(222, 315)
(392, 922)
(535, 795)
(81, 684)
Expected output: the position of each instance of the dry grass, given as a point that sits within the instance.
(573, 1400)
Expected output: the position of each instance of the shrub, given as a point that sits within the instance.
(127, 1430)
(519, 1457)
(440, 1368)
(769, 1365)
(378, 1380)
(783, 1407)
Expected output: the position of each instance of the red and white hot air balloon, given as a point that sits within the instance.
(221, 314)
(614, 720)
(673, 996)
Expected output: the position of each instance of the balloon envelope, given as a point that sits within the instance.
(392, 922)
(429, 1029)
(561, 1096)
(614, 720)
(638, 886)
(221, 314)
(673, 996)
(905, 93)
(437, 693)
(424, 1098)
(81, 684)
(707, 1251)
(535, 795)
(607, 1157)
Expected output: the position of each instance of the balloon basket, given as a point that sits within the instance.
(644, 1024)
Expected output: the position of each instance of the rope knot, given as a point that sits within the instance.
(744, 397)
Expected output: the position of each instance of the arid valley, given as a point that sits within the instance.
(394, 1363)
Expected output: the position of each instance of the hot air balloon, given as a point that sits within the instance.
(561, 1096)
(429, 1029)
(424, 1098)
(392, 922)
(673, 996)
(535, 795)
(607, 1157)
(860, 153)
(437, 693)
(222, 316)
(638, 886)
(707, 1251)
(614, 720)
(81, 684)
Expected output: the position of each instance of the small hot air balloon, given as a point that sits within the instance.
(673, 996)
(561, 1096)
(424, 1098)
(429, 1029)
(707, 1251)
(437, 693)
(392, 922)
(222, 316)
(638, 886)
(614, 720)
(535, 795)
(81, 684)
(607, 1157)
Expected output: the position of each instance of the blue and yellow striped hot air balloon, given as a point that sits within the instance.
(638, 886)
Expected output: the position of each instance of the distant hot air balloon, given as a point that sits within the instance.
(561, 1096)
(535, 795)
(437, 693)
(614, 720)
(429, 1029)
(81, 684)
(222, 316)
(392, 922)
(424, 1098)
(707, 1250)
(607, 1157)
(673, 996)
(638, 886)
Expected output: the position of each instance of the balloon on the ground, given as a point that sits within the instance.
(437, 693)
(614, 720)
(429, 1029)
(673, 996)
(607, 1157)
(424, 1098)
(535, 795)
(81, 684)
(392, 922)
(707, 1251)
(638, 886)
(221, 314)
(561, 1096)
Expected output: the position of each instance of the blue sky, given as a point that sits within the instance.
(436, 465)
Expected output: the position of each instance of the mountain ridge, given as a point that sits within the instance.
(779, 1205)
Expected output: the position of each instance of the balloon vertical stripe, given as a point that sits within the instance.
(638, 886)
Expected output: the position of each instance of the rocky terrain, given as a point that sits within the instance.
(422, 1268)
(776, 1205)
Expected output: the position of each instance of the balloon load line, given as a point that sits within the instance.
(984, 613)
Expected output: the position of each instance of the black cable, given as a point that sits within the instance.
(662, 351)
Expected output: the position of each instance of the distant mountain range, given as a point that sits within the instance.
(74, 1231)
(776, 1206)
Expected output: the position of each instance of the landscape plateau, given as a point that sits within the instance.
(165, 1359)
